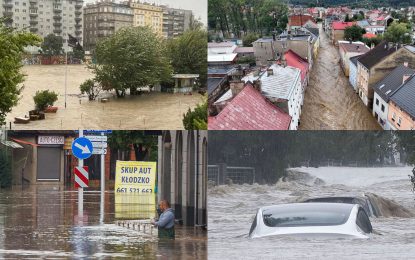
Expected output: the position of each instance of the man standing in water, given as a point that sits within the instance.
(165, 223)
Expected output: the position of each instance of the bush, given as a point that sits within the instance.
(90, 89)
(5, 169)
(248, 39)
(44, 98)
(196, 119)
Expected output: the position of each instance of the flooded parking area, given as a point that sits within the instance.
(39, 223)
(330, 102)
(154, 110)
(232, 209)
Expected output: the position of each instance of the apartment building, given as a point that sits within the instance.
(103, 19)
(44, 17)
(148, 15)
(176, 21)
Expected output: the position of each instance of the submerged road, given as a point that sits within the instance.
(330, 102)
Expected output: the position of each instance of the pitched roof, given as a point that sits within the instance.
(314, 31)
(299, 20)
(279, 85)
(295, 60)
(369, 35)
(375, 55)
(244, 50)
(220, 44)
(387, 86)
(354, 47)
(341, 25)
(249, 110)
(213, 83)
(355, 59)
(404, 96)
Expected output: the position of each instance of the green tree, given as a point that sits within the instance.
(353, 33)
(188, 53)
(5, 168)
(196, 119)
(12, 45)
(90, 88)
(398, 33)
(133, 57)
(44, 98)
(249, 38)
(52, 45)
(145, 145)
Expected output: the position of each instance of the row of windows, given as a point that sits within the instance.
(41, 26)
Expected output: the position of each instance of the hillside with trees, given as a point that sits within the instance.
(355, 3)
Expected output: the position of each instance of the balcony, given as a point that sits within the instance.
(57, 30)
(78, 26)
(79, 5)
(78, 12)
(56, 10)
(33, 22)
(8, 13)
(57, 24)
(33, 29)
(57, 17)
(78, 19)
(77, 32)
(8, 5)
(33, 1)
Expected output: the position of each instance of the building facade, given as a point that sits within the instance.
(44, 17)
(103, 19)
(176, 21)
(182, 174)
(148, 15)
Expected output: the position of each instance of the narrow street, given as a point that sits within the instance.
(330, 102)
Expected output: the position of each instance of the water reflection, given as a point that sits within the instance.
(41, 222)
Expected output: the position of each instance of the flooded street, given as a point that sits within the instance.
(232, 210)
(330, 102)
(153, 110)
(40, 223)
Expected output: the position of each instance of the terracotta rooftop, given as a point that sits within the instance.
(249, 110)
(294, 60)
(299, 20)
(341, 25)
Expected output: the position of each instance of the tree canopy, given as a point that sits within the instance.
(145, 146)
(52, 45)
(243, 16)
(398, 33)
(132, 57)
(188, 53)
(12, 45)
(353, 33)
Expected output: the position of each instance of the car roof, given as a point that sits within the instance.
(311, 206)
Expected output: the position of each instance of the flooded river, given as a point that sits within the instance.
(153, 110)
(232, 210)
(330, 102)
(40, 223)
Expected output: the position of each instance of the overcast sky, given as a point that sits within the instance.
(199, 7)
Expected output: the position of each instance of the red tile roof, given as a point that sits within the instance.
(299, 20)
(249, 110)
(369, 35)
(341, 25)
(294, 60)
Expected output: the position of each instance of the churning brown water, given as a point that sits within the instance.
(41, 224)
(153, 110)
(330, 102)
(232, 209)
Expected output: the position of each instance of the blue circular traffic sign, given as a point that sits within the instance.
(82, 148)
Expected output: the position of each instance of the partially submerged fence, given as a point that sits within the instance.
(222, 174)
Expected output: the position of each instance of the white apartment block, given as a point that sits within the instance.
(44, 17)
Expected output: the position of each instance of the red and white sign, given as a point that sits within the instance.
(81, 177)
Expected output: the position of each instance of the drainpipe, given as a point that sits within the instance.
(197, 180)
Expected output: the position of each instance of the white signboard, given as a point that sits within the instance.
(51, 139)
(97, 138)
(99, 151)
(99, 145)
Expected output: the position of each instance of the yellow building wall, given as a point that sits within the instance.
(148, 15)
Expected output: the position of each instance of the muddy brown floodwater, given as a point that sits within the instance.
(330, 102)
(153, 110)
(40, 223)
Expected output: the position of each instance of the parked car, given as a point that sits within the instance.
(338, 219)
(363, 201)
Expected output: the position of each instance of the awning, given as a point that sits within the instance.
(11, 144)
(24, 142)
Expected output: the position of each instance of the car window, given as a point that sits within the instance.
(363, 221)
(253, 226)
(318, 216)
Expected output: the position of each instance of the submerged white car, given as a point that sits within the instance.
(338, 219)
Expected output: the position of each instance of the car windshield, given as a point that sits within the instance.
(307, 215)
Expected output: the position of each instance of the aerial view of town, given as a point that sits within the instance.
(103, 64)
(311, 65)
